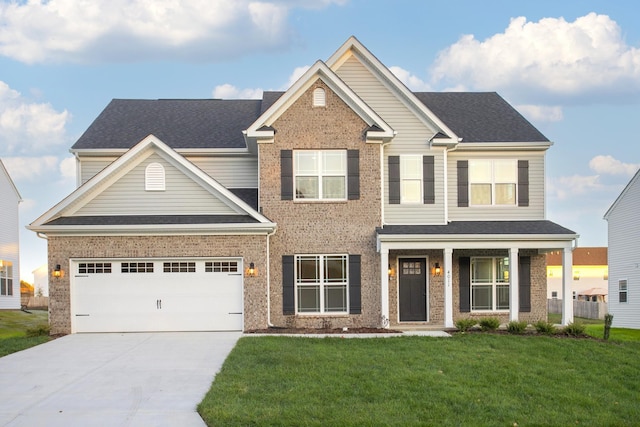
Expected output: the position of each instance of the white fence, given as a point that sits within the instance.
(584, 309)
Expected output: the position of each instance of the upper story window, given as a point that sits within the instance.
(6, 278)
(154, 177)
(489, 283)
(411, 179)
(319, 97)
(493, 182)
(320, 174)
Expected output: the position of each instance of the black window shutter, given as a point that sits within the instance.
(353, 174)
(524, 283)
(523, 182)
(465, 284)
(288, 287)
(428, 178)
(394, 180)
(355, 278)
(286, 174)
(463, 183)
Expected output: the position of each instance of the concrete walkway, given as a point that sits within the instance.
(141, 379)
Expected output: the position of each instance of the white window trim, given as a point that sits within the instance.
(321, 283)
(404, 179)
(320, 175)
(494, 286)
(493, 183)
(624, 282)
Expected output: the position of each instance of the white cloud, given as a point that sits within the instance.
(227, 91)
(25, 126)
(68, 169)
(548, 59)
(611, 166)
(565, 187)
(121, 30)
(413, 82)
(31, 169)
(541, 113)
(297, 73)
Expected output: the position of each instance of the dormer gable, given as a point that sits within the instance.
(263, 131)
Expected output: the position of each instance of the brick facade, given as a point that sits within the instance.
(62, 249)
(316, 227)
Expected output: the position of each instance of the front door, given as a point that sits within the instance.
(413, 290)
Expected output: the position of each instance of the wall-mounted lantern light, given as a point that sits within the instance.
(57, 272)
(252, 271)
(391, 272)
(436, 271)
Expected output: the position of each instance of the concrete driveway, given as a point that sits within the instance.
(135, 379)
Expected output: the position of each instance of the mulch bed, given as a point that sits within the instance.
(322, 331)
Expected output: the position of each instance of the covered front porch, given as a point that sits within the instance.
(436, 274)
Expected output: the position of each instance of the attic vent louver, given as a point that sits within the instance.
(319, 99)
(154, 177)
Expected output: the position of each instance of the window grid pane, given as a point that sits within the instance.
(322, 282)
(320, 175)
(490, 283)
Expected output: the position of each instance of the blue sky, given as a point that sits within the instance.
(571, 67)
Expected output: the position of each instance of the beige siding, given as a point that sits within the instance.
(232, 172)
(536, 208)
(127, 196)
(89, 168)
(412, 137)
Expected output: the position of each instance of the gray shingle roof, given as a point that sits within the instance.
(216, 123)
(152, 220)
(480, 117)
(204, 123)
(480, 227)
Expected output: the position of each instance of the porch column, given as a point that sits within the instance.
(514, 282)
(448, 288)
(384, 287)
(567, 294)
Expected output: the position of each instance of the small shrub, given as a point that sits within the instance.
(608, 320)
(574, 329)
(543, 327)
(38, 331)
(515, 327)
(489, 324)
(465, 324)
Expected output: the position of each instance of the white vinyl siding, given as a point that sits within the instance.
(182, 196)
(9, 231)
(623, 248)
(412, 138)
(90, 167)
(536, 208)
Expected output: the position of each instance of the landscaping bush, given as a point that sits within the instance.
(489, 324)
(465, 324)
(515, 327)
(37, 331)
(574, 329)
(543, 327)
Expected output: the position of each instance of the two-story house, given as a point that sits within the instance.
(345, 201)
(9, 242)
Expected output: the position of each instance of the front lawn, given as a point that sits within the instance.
(15, 325)
(469, 379)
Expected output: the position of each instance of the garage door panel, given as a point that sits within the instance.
(158, 300)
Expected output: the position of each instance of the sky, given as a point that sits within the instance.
(571, 67)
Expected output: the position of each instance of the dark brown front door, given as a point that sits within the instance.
(413, 290)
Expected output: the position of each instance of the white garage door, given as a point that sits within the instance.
(156, 295)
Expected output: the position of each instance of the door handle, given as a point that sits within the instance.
(159, 304)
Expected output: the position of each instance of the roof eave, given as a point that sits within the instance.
(493, 146)
(154, 229)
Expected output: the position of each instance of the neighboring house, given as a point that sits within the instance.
(346, 201)
(9, 242)
(41, 281)
(589, 276)
(624, 264)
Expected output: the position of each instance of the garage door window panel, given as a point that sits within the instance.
(179, 267)
(136, 267)
(94, 268)
(221, 266)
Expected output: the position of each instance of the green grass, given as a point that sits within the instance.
(469, 379)
(15, 326)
